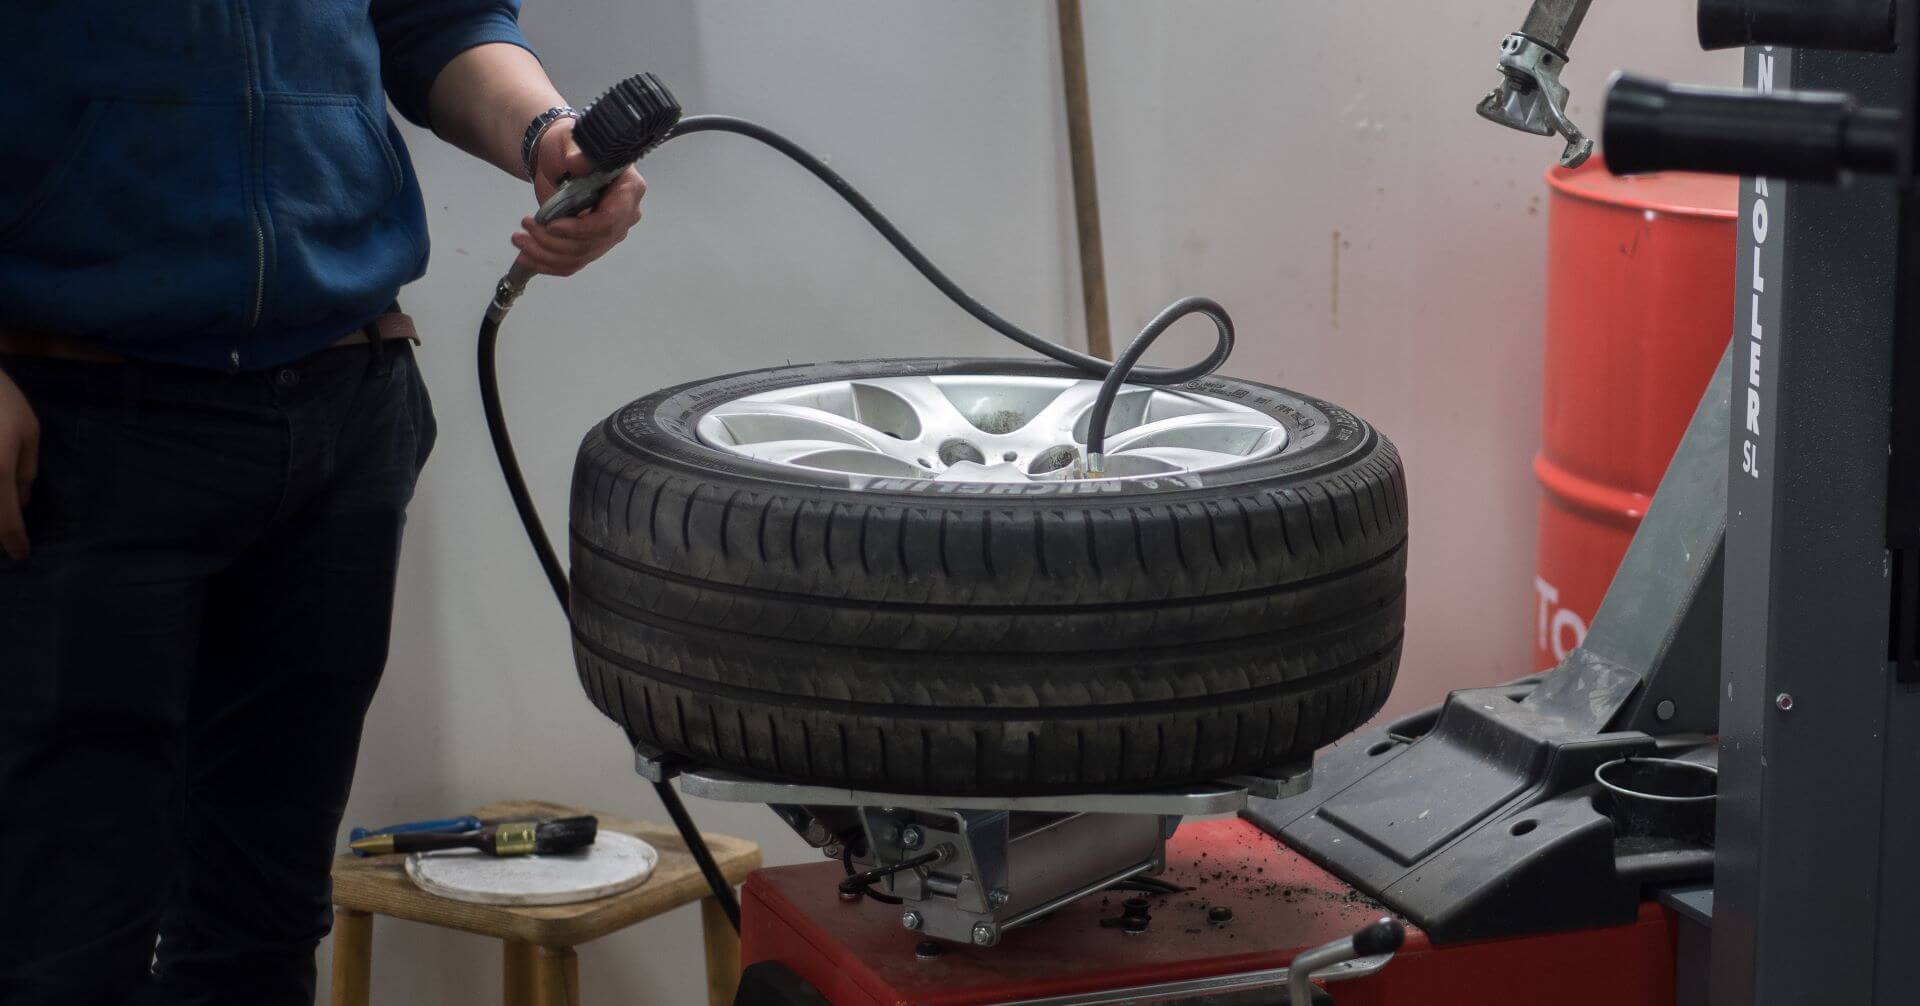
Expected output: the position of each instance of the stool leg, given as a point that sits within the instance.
(556, 977)
(516, 973)
(723, 953)
(352, 957)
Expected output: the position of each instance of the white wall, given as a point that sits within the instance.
(1238, 144)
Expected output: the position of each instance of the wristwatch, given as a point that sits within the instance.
(538, 128)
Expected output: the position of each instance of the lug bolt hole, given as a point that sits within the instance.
(1053, 459)
(955, 451)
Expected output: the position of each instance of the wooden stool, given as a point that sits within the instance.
(539, 968)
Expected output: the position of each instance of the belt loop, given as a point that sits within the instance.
(382, 365)
(376, 347)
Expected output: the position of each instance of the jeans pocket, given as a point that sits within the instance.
(426, 428)
(76, 489)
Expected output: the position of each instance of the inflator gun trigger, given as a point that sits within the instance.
(633, 117)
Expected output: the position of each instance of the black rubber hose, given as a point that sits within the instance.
(510, 465)
(1116, 373)
(557, 579)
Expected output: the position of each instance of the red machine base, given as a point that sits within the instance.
(857, 954)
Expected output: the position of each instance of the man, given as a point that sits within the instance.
(209, 431)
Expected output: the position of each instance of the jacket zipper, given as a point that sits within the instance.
(259, 232)
(253, 202)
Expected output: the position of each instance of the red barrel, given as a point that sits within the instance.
(1639, 308)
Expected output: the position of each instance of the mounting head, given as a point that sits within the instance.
(1531, 98)
(632, 118)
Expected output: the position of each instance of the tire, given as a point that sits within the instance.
(968, 639)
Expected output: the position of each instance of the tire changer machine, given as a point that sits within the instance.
(1705, 803)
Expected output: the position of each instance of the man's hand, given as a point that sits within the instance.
(564, 247)
(19, 466)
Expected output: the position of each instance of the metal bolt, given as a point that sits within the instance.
(1783, 702)
(1220, 914)
(985, 934)
(1664, 711)
(911, 837)
(910, 920)
(833, 850)
(997, 897)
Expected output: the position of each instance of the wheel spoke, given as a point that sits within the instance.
(1065, 410)
(832, 456)
(760, 422)
(1181, 458)
(1235, 434)
(784, 451)
(935, 410)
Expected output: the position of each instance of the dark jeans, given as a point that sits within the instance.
(185, 662)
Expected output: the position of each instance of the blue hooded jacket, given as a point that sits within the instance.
(217, 183)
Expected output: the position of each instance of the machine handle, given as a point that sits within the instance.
(1382, 937)
(1797, 135)
(1847, 25)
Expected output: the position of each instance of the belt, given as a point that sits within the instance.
(387, 327)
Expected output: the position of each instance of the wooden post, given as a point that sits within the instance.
(516, 973)
(352, 957)
(556, 976)
(1086, 190)
(723, 953)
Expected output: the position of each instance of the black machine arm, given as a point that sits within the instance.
(1842, 25)
(1802, 136)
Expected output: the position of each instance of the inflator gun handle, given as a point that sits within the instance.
(633, 117)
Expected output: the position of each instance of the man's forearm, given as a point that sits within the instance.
(484, 99)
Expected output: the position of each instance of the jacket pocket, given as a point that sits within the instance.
(335, 188)
(19, 214)
(149, 207)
